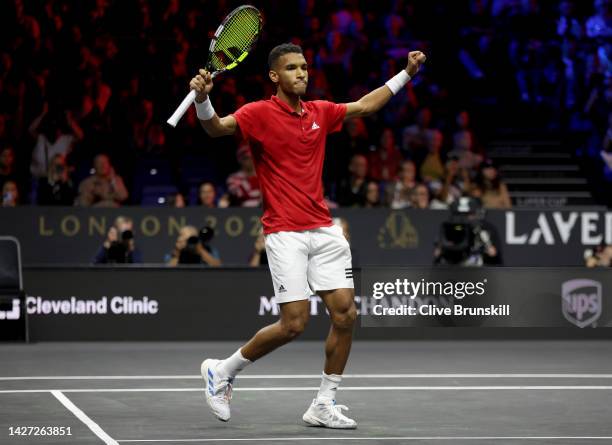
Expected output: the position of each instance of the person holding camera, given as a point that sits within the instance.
(56, 188)
(119, 246)
(193, 247)
(259, 257)
(466, 239)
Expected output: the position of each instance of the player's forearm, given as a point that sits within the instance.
(210, 120)
(375, 100)
(213, 126)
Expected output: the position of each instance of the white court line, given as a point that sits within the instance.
(315, 388)
(93, 426)
(316, 376)
(276, 439)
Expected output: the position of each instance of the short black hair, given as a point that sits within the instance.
(281, 50)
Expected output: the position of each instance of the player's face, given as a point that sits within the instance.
(291, 74)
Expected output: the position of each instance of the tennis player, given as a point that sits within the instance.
(306, 252)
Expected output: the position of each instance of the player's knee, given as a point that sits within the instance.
(345, 317)
(293, 327)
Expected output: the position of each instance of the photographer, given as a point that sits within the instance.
(259, 257)
(119, 246)
(466, 239)
(193, 247)
(56, 188)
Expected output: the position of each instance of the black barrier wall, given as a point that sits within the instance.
(150, 303)
(53, 235)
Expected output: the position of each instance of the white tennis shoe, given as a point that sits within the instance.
(329, 415)
(218, 390)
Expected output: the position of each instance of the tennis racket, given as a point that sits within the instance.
(232, 42)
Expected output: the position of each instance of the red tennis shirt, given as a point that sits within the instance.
(288, 152)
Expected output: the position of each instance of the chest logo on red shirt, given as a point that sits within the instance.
(314, 126)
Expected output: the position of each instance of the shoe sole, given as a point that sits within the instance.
(313, 421)
(204, 367)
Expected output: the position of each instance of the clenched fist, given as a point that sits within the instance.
(201, 84)
(415, 60)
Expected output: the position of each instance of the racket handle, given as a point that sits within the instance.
(182, 108)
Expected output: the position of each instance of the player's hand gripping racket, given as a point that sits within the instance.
(232, 42)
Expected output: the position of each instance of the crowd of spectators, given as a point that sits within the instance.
(86, 86)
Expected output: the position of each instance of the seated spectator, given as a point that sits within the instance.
(56, 188)
(436, 193)
(259, 257)
(385, 160)
(494, 193)
(414, 137)
(193, 247)
(104, 188)
(207, 195)
(243, 186)
(398, 192)
(352, 191)
(7, 165)
(148, 135)
(10, 194)
(176, 200)
(432, 168)
(372, 195)
(55, 132)
(419, 197)
(353, 139)
(119, 245)
(464, 150)
(357, 133)
(457, 181)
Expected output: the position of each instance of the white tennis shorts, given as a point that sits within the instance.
(302, 263)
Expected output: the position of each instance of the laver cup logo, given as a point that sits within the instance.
(581, 301)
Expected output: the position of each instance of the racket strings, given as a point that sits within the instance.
(237, 37)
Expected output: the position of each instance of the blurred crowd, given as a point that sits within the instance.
(86, 86)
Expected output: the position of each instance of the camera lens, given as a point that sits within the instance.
(206, 234)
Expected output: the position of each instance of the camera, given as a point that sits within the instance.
(190, 254)
(463, 240)
(120, 251)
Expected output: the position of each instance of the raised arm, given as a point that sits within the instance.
(375, 100)
(214, 125)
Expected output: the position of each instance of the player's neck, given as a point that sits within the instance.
(290, 99)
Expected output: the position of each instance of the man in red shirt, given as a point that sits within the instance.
(306, 252)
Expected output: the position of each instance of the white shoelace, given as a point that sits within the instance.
(227, 393)
(337, 412)
(224, 394)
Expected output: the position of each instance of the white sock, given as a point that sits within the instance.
(329, 386)
(233, 364)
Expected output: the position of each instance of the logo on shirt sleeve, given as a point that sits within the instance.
(314, 126)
